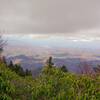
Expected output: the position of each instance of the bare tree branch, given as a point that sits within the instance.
(2, 44)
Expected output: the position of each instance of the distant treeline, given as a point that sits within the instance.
(16, 68)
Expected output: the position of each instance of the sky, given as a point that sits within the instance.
(50, 17)
(52, 23)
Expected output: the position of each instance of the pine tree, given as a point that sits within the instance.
(19, 70)
(50, 62)
(28, 72)
(4, 60)
(11, 65)
(64, 69)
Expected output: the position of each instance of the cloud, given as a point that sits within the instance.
(76, 37)
(71, 17)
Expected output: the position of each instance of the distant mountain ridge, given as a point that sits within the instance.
(34, 63)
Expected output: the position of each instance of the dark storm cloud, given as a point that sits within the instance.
(49, 16)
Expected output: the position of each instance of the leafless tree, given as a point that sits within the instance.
(2, 44)
(86, 69)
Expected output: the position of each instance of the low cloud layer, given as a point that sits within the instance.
(71, 17)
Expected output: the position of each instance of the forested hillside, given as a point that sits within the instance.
(52, 84)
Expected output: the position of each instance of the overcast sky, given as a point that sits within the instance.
(69, 17)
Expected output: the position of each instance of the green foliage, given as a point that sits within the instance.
(52, 84)
(19, 70)
(28, 72)
(55, 84)
(12, 86)
(6, 89)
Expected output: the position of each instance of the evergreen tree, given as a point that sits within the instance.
(19, 70)
(11, 65)
(64, 69)
(50, 62)
(4, 60)
(28, 72)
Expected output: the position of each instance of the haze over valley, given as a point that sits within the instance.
(32, 51)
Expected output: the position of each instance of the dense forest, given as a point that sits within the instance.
(52, 83)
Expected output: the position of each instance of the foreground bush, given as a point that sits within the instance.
(52, 84)
(12, 86)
